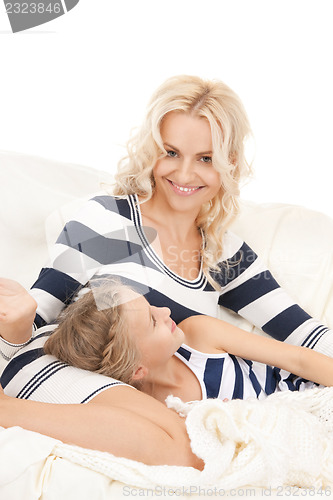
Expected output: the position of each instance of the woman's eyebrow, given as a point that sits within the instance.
(203, 153)
(171, 147)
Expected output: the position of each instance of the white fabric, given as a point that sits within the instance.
(284, 441)
(31, 189)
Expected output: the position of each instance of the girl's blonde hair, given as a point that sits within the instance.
(93, 334)
(216, 102)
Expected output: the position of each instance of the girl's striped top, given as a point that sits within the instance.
(227, 376)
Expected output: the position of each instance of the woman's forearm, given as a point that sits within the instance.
(117, 430)
(17, 312)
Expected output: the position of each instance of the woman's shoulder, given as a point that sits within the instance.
(232, 243)
(111, 202)
(103, 208)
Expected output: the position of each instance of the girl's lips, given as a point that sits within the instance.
(173, 326)
(184, 190)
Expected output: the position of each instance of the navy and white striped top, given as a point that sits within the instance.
(106, 238)
(31, 374)
(227, 376)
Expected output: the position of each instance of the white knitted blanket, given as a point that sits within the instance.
(286, 439)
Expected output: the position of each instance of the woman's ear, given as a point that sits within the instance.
(140, 373)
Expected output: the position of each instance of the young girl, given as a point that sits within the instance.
(164, 228)
(113, 331)
(115, 417)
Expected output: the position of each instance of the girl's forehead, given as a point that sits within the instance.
(136, 303)
(129, 296)
(138, 317)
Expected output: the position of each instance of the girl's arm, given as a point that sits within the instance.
(210, 335)
(17, 312)
(121, 421)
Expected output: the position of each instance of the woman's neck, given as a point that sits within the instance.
(180, 225)
(179, 241)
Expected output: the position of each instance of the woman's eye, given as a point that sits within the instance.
(171, 154)
(206, 159)
(154, 321)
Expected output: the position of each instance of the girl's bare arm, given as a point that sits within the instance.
(120, 420)
(213, 335)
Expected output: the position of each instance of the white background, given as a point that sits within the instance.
(73, 89)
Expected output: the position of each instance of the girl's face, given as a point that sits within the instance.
(186, 178)
(156, 334)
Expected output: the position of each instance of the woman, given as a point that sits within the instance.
(164, 229)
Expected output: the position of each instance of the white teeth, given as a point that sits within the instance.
(187, 190)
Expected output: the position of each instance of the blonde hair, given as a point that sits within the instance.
(216, 102)
(93, 334)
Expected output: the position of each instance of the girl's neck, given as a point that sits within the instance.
(176, 379)
(162, 381)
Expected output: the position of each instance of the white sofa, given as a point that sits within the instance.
(36, 197)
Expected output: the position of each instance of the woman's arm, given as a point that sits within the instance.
(17, 312)
(213, 335)
(80, 250)
(121, 421)
(260, 300)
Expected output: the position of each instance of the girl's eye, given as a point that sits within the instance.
(172, 154)
(154, 321)
(206, 159)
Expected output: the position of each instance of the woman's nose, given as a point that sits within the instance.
(185, 171)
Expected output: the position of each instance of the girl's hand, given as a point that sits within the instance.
(17, 312)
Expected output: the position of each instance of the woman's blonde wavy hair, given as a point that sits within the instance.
(217, 103)
(93, 334)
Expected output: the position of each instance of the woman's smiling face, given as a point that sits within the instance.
(186, 178)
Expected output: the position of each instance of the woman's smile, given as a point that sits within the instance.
(184, 190)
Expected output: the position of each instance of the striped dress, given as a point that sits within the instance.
(227, 376)
(107, 238)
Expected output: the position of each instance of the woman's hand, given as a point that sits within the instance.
(17, 312)
(2, 398)
(3, 408)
